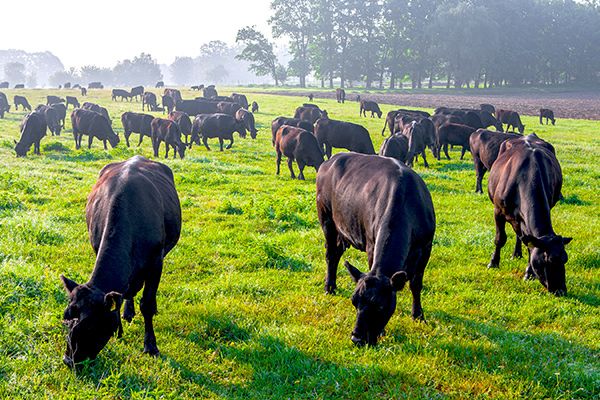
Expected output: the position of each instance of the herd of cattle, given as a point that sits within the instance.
(374, 203)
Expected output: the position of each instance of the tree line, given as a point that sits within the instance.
(461, 43)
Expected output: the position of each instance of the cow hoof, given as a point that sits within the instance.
(528, 277)
(128, 316)
(493, 265)
(517, 256)
(152, 351)
(419, 318)
(330, 289)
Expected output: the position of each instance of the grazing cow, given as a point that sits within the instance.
(368, 105)
(53, 100)
(175, 94)
(254, 107)
(309, 113)
(210, 92)
(20, 86)
(219, 126)
(136, 92)
(168, 103)
(122, 93)
(395, 146)
(4, 85)
(331, 133)
(149, 101)
(67, 85)
(524, 184)
(136, 123)
(4, 106)
(418, 140)
(159, 84)
(226, 107)
(33, 129)
(469, 117)
(196, 87)
(95, 85)
(391, 117)
(21, 101)
(377, 205)
(83, 91)
(544, 113)
(488, 108)
(279, 121)
(184, 122)
(61, 113)
(93, 124)
(133, 215)
(358, 98)
(99, 109)
(76, 86)
(510, 118)
(247, 119)
(73, 101)
(484, 146)
(195, 107)
(165, 130)
(311, 97)
(241, 99)
(52, 118)
(300, 145)
(455, 134)
(340, 95)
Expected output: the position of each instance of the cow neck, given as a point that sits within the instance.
(109, 271)
(390, 253)
(535, 217)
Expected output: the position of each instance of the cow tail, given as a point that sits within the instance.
(384, 126)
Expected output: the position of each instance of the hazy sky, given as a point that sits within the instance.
(101, 32)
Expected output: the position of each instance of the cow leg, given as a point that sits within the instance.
(91, 138)
(416, 284)
(141, 138)
(479, 172)
(155, 146)
(221, 143)
(446, 151)
(328, 150)
(518, 253)
(127, 134)
(424, 159)
(167, 150)
(301, 166)
(148, 308)
(37, 148)
(104, 141)
(333, 253)
(462, 153)
(500, 239)
(205, 141)
(230, 143)
(278, 161)
(290, 166)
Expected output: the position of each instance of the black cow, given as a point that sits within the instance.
(61, 113)
(52, 118)
(377, 205)
(149, 101)
(418, 140)
(184, 122)
(254, 107)
(93, 124)
(99, 109)
(195, 107)
(488, 108)
(548, 114)
(136, 92)
(455, 134)
(20, 86)
(72, 100)
(165, 130)
(247, 119)
(122, 93)
(83, 91)
(168, 103)
(210, 92)
(510, 118)
(368, 105)
(67, 85)
(300, 145)
(392, 115)
(4, 106)
(159, 84)
(21, 101)
(524, 184)
(136, 123)
(217, 125)
(4, 85)
(309, 113)
(226, 107)
(279, 121)
(395, 146)
(95, 85)
(133, 215)
(340, 95)
(311, 97)
(53, 100)
(33, 129)
(331, 133)
(241, 99)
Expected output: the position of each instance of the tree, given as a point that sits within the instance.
(92, 73)
(142, 70)
(182, 70)
(258, 51)
(217, 74)
(14, 72)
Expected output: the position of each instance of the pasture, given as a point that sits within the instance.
(242, 311)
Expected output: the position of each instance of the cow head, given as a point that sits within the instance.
(375, 301)
(547, 258)
(240, 128)
(92, 318)
(521, 129)
(20, 149)
(181, 149)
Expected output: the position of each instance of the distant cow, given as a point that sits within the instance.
(373, 107)
(76, 86)
(136, 123)
(395, 146)
(4, 106)
(311, 97)
(455, 134)
(340, 95)
(175, 94)
(61, 112)
(136, 92)
(485, 146)
(53, 100)
(165, 130)
(83, 91)
(20, 86)
(510, 118)
(226, 107)
(378, 205)
(548, 114)
(247, 119)
(310, 114)
(391, 117)
(254, 107)
(210, 92)
(4, 85)
(184, 122)
(21, 101)
(195, 107)
(418, 140)
(331, 133)
(52, 118)
(299, 145)
(122, 93)
(197, 87)
(93, 124)
(133, 215)
(149, 101)
(95, 85)
(279, 121)
(160, 84)
(72, 101)
(67, 85)
(168, 103)
(525, 183)
(99, 109)
(241, 99)
(488, 108)
(221, 126)
(33, 129)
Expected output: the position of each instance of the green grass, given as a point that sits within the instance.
(242, 312)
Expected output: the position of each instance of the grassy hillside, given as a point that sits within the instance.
(242, 313)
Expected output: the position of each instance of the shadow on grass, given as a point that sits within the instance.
(275, 259)
(451, 165)
(573, 199)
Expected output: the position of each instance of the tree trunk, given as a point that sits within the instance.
(393, 80)
(430, 84)
(448, 81)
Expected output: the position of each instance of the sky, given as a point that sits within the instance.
(103, 32)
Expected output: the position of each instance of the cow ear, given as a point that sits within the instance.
(398, 280)
(68, 284)
(112, 301)
(15, 141)
(354, 272)
(531, 241)
(566, 240)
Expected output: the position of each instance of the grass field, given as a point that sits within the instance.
(242, 313)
